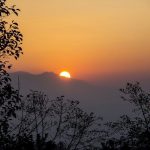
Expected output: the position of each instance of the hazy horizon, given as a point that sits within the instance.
(122, 79)
(102, 99)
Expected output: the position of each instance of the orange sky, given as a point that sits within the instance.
(86, 37)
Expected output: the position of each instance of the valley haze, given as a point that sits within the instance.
(102, 99)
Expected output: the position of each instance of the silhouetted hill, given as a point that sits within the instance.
(101, 99)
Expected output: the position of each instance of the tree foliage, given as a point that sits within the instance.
(10, 35)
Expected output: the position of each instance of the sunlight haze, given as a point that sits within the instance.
(89, 38)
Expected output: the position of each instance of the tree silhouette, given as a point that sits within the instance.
(133, 131)
(58, 122)
(10, 41)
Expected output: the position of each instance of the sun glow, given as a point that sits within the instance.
(65, 74)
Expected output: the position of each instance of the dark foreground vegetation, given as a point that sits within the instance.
(35, 122)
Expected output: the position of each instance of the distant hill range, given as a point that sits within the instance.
(103, 99)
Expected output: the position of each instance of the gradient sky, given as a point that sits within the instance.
(89, 38)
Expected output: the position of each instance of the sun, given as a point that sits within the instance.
(65, 74)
